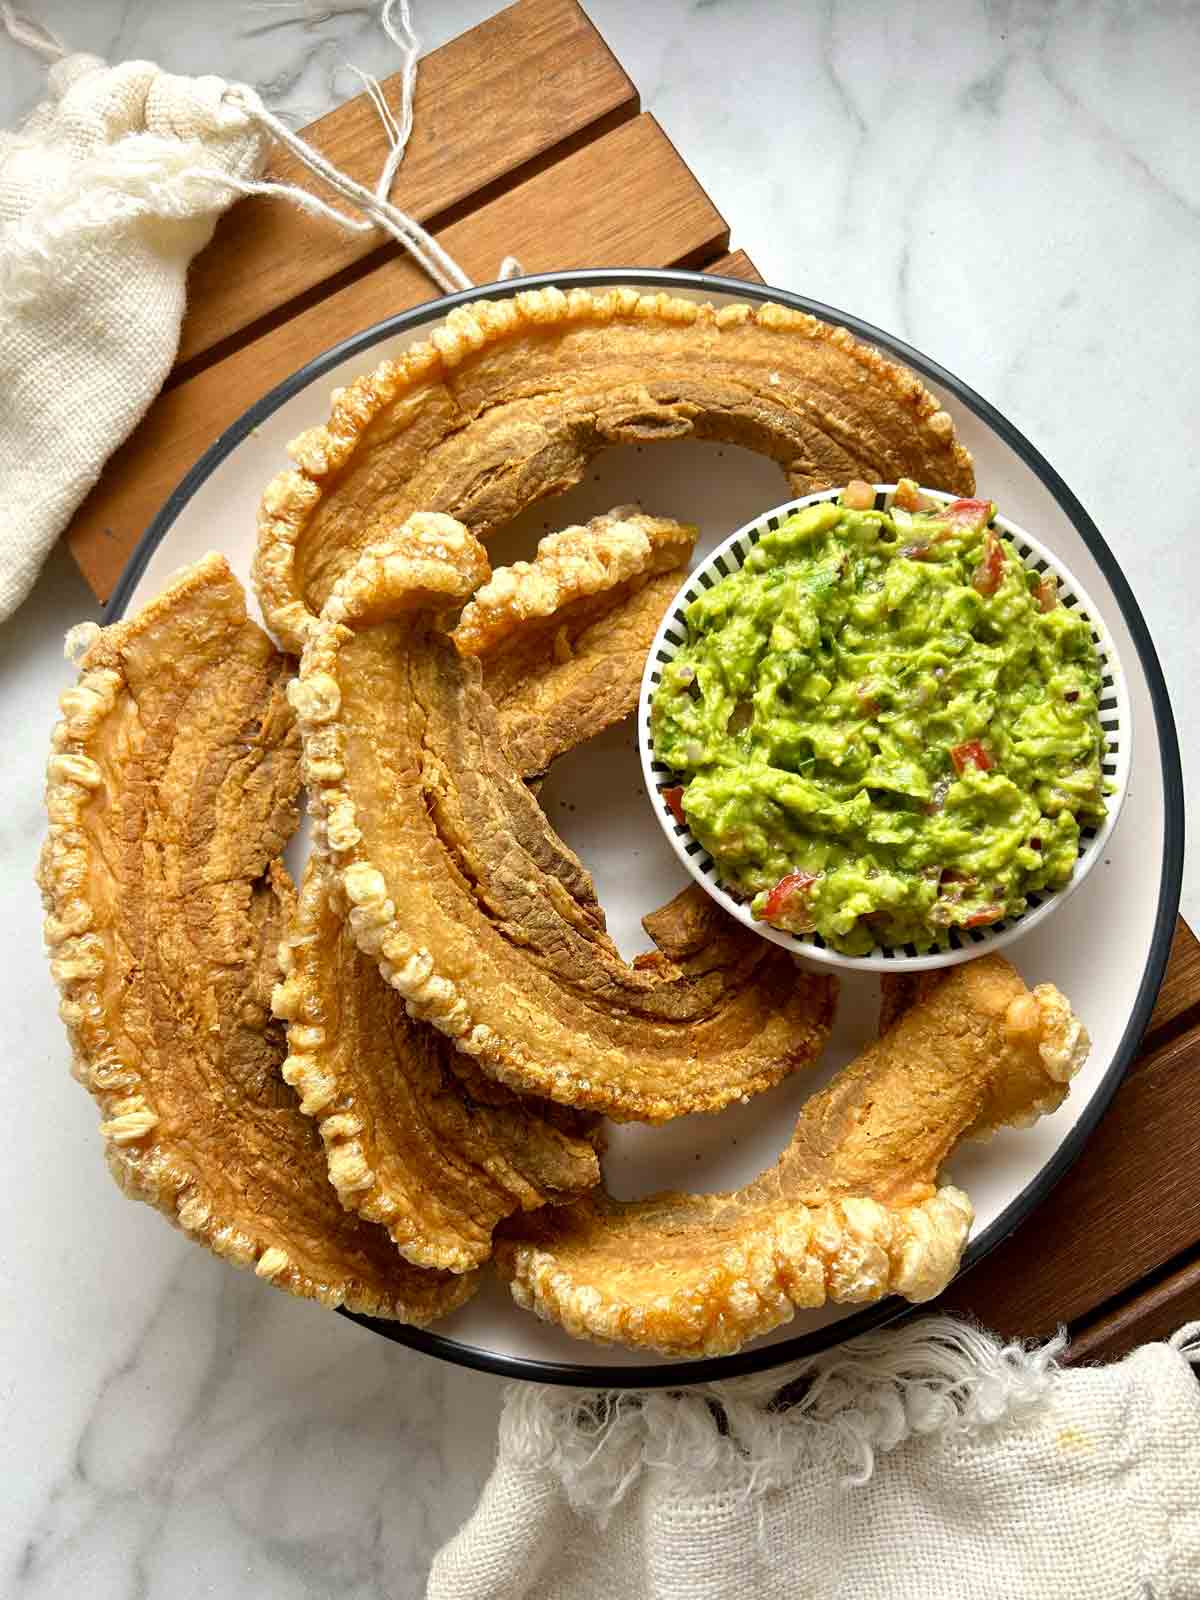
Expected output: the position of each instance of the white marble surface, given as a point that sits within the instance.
(1013, 188)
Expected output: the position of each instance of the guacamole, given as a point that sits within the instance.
(885, 726)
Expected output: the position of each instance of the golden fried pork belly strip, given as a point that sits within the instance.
(410, 1145)
(900, 991)
(852, 1210)
(479, 914)
(575, 575)
(510, 400)
(563, 639)
(171, 790)
(576, 687)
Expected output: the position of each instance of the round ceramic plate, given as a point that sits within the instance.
(1107, 947)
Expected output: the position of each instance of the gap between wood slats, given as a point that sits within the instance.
(564, 217)
(1154, 1311)
(492, 107)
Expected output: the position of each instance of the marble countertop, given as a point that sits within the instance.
(1011, 188)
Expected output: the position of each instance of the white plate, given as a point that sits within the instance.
(1107, 947)
(1116, 723)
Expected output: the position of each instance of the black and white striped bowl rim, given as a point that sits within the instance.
(965, 942)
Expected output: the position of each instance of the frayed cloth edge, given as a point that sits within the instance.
(839, 1410)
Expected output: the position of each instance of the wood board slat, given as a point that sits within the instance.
(1152, 1315)
(1180, 992)
(521, 89)
(737, 264)
(1130, 1204)
(563, 217)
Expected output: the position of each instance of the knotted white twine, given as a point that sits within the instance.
(33, 35)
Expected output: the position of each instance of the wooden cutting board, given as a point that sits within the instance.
(564, 171)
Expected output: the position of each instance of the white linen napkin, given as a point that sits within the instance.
(106, 194)
(926, 1461)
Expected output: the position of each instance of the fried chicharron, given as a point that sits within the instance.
(852, 1210)
(900, 991)
(563, 639)
(171, 790)
(479, 914)
(509, 400)
(437, 1159)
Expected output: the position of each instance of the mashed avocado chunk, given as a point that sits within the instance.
(886, 726)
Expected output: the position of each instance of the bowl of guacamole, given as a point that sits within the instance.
(885, 725)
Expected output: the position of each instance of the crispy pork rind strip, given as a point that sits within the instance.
(171, 790)
(851, 1212)
(478, 913)
(510, 400)
(409, 1144)
(1061, 1039)
(900, 991)
(563, 639)
(574, 573)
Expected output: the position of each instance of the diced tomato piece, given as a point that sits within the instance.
(970, 754)
(954, 875)
(907, 495)
(1046, 593)
(858, 496)
(785, 892)
(864, 693)
(989, 574)
(981, 919)
(674, 799)
(967, 516)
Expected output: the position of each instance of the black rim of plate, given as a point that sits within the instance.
(763, 1357)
